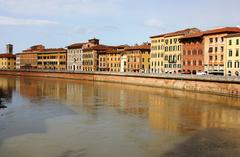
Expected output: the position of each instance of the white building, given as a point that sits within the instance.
(123, 65)
(75, 54)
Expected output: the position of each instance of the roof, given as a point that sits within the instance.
(52, 50)
(76, 45)
(222, 30)
(138, 47)
(233, 35)
(6, 55)
(98, 48)
(194, 35)
(181, 32)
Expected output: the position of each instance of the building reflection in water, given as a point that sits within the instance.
(7, 86)
(170, 110)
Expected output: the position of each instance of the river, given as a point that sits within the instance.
(71, 118)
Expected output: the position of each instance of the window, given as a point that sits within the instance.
(216, 49)
(230, 53)
(230, 42)
(200, 62)
(216, 40)
(229, 64)
(222, 39)
(236, 64)
(211, 40)
(210, 49)
(237, 42)
(194, 62)
(237, 52)
(222, 49)
(210, 58)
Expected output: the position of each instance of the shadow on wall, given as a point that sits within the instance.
(209, 143)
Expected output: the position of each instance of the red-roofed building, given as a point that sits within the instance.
(28, 58)
(8, 59)
(75, 53)
(166, 51)
(138, 58)
(90, 57)
(52, 59)
(215, 49)
(192, 55)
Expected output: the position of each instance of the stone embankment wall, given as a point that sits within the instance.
(228, 86)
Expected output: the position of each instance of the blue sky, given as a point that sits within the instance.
(58, 23)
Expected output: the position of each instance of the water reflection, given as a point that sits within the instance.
(169, 110)
(131, 120)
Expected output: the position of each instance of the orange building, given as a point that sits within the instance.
(28, 58)
(138, 58)
(110, 60)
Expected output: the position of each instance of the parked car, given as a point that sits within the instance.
(201, 73)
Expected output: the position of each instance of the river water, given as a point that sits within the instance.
(71, 118)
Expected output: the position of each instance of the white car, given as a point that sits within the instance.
(201, 73)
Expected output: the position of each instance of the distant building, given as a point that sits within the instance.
(157, 54)
(110, 60)
(193, 56)
(215, 49)
(138, 58)
(8, 59)
(232, 60)
(166, 51)
(52, 59)
(75, 53)
(28, 58)
(91, 55)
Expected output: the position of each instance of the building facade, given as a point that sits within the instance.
(8, 59)
(28, 58)
(193, 56)
(138, 58)
(75, 54)
(91, 56)
(232, 56)
(157, 54)
(166, 51)
(52, 59)
(215, 49)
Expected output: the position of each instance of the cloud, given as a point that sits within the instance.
(94, 30)
(56, 7)
(11, 21)
(154, 23)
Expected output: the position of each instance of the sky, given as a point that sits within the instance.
(58, 23)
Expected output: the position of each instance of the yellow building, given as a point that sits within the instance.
(52, 59)
(8, 60)
(166, 51)
(138, 58)
(110, 60)
(232, 56)
(157, 54)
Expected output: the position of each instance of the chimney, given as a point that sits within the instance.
(9, 48)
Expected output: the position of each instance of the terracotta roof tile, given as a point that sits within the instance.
(181, 32)
(5, 55)
(233, 35)
(222, 30)
(76, 45)
(138, 47)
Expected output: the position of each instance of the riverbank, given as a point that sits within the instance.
(228, 86)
